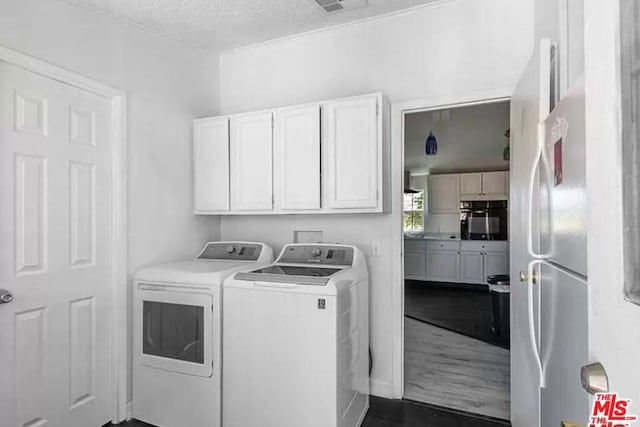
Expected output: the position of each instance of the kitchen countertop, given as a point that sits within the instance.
(433, 236)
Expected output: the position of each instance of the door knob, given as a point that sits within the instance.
(594, 378)
(5, 296)
(524, 276)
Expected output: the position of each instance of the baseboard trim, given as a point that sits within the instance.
(381, 389)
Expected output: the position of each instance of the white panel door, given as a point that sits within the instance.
(443, 266)
(444, 193)
(494, 184)
(470, 185)
(472, 267)
(297, 158)
(352, 153)
(495, 263)
(211, 164)
(54, 238)
(251, 162)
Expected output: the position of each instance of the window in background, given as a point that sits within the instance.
(414, 211)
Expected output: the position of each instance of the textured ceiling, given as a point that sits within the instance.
(227, 24)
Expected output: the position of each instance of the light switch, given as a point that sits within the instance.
(376, 248)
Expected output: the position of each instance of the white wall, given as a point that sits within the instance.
(452, 48)
(168, 84)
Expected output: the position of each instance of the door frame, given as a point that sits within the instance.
(118, 217)
(398, 112)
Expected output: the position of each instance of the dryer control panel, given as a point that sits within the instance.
(232, 251)
(317, 254)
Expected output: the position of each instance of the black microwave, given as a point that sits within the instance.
(484, 220)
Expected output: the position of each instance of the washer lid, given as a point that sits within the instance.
(302, 275)
(197, 272)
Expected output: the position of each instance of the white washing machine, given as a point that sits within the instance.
(177, 334)
(296, 349)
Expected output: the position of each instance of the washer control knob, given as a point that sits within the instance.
(316, 252)
(231, 249)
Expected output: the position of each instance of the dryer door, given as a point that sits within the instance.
(174, 330)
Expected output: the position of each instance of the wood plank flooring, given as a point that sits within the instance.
(448, 369)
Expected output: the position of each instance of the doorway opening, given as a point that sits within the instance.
(456, 256)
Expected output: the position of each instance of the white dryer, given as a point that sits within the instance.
(177, 334)
(296, 349)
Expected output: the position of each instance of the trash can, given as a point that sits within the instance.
(500, 294)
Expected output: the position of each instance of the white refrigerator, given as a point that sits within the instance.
(558, 308)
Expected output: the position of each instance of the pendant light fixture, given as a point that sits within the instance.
(506, 153)
(431, 145)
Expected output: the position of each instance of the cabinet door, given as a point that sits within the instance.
(495, 184)
(443, 266)
(251, 162)
(352, 154)
(472, 267)
(414, 265)
(496, 263)
(211, 165)
(444, 193)
(297, 158)
(470, 184)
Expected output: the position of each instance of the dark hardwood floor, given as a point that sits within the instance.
(402, 413)
(465, 309)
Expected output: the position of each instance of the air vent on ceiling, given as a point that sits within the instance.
(331, 6)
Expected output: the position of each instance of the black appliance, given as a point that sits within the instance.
(484, 220)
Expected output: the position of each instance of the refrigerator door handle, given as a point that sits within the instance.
(531, 275)
(540, 155)
(531, 323)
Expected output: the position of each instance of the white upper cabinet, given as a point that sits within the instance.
(251, 162)
(325, 157)
(470, 184)
(484, 186)
(211, 165)
(352, 153)
(297, 158)
(444, 193)
(495, 184)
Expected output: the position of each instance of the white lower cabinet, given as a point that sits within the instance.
(472, 267)
(414, 265)
(496, 263)
(443, 265)
(454, 261)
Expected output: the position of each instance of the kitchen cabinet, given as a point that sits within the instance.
(211, 165)
(444, 193)
(251, 156)
(322, 158)
(496, 263)
(443, 265)
(481, 259)
(467, 261)
(472, 267)
(414, 260)
(495, 185)
(297, 158)
(484, 186)
(352, 153)
(470, 184)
